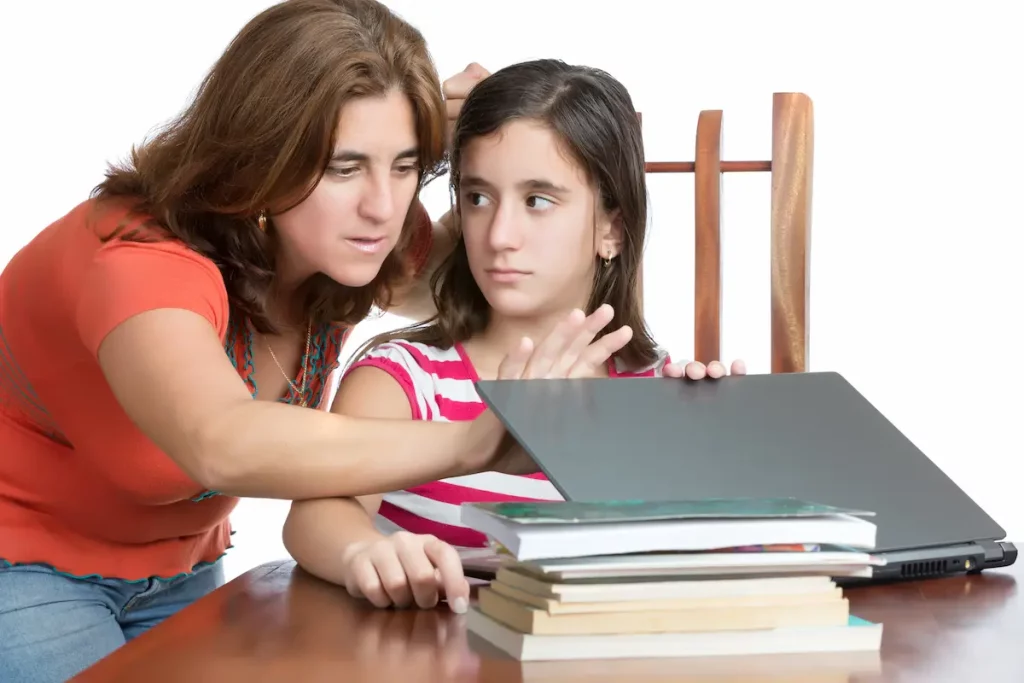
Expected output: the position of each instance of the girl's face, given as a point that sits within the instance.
(353, 219)
(531, 221)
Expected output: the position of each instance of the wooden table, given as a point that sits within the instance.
(277, 623)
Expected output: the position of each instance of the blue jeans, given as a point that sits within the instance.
(53, 626)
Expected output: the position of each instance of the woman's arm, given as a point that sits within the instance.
(168, 370)
(415, 300)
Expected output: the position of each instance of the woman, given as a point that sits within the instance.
(220, 264)
(548, 173)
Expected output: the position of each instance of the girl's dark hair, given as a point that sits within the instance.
(259, 135)
(593, 116)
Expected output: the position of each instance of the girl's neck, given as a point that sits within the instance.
(502, 334)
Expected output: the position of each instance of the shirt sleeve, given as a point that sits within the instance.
(127, 278)
(398, 360)
(422, 240)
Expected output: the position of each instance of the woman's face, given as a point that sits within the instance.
(354, 217)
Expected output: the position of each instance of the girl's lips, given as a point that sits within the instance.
(506, 276)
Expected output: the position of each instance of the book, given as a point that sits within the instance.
(561, 512)
(856, 635)
(824, 561)
(819, 610)
(670, 579)
(544, 530)
(565, 596)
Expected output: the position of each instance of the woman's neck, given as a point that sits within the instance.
(283, 309)
(488, 348)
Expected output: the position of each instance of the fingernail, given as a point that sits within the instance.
(459, 606)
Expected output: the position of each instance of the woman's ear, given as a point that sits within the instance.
(609, 235)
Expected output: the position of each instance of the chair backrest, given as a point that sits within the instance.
(791, 170)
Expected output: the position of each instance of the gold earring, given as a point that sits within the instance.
(262, 221)
(607, 261)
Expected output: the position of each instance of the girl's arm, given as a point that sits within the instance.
(318, 533)
(335, 538)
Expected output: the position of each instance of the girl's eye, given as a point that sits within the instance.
(407, 169)
(476, 199)
(346, 171)
(535, 202)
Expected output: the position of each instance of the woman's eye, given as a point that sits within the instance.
(407, 169)
(535, 202)
(345, 171)
(476, 199)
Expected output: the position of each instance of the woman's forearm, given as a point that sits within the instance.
(273, 450)
(168, 370)
(320, 534)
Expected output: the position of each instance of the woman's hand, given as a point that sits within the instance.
(456, 90)
(695, 370)
(404, 569)
(569, 350)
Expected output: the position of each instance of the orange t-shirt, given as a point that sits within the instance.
(81, 488)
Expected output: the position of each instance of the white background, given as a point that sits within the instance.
(916, 251)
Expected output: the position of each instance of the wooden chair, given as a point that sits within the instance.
(791, 169)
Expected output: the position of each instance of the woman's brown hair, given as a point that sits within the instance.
(592, 115)
(259, 134)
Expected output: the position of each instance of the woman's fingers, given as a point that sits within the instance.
(578, 346)
(569, 350)
(598, 353)
(551, 349)
(513, 365)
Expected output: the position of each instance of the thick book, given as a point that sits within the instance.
(563, 512)
(545, 530)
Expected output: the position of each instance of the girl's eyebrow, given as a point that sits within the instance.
(533, 184)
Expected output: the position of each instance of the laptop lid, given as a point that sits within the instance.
(811, 436)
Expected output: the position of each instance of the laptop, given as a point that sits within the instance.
(809, 435)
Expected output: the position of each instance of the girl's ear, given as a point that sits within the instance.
(609, 235)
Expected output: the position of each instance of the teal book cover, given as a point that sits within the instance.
(558, 512)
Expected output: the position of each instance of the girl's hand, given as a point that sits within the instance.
(694, 370)
(404, 569)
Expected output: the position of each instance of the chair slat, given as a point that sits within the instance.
(707, 289)
(792, 155)
(791, 169)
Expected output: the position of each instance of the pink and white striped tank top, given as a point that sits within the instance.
(439, 385)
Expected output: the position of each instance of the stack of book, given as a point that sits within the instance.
(672, 579)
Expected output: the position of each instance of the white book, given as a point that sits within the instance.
(823, 562)
(857, 636)
(535, 541)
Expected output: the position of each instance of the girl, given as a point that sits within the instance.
(547, 168)
(221, 263)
